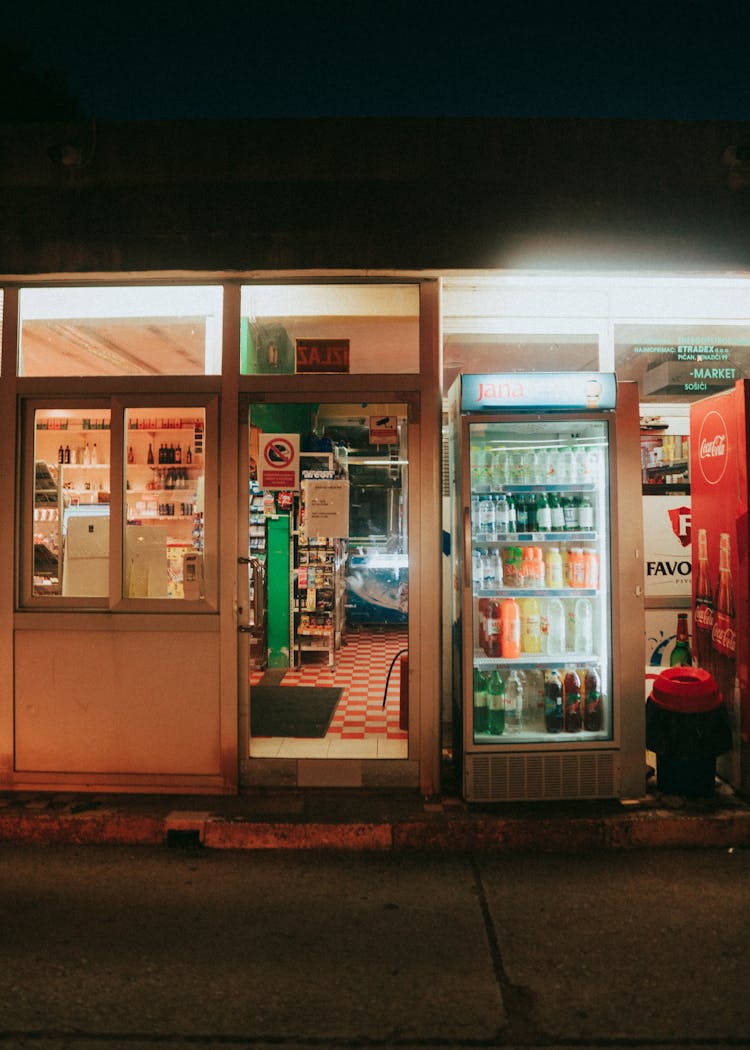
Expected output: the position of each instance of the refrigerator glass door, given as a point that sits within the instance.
(541, 665)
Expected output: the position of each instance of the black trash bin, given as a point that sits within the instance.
(687, 727)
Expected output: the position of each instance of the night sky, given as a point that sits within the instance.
(641, 60)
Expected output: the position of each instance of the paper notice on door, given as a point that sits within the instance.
(327, 508)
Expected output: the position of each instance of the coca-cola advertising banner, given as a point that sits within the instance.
(719, 497)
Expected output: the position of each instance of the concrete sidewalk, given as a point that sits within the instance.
(263, 819)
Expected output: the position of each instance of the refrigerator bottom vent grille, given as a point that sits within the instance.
(499, 778)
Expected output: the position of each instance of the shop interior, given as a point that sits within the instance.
(329, 624)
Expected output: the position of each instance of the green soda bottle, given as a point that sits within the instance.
(496, 703)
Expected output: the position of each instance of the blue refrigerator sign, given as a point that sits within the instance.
(524, 391)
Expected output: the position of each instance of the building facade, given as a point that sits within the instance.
(175, 293)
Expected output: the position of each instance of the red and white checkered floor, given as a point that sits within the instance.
(361, 727)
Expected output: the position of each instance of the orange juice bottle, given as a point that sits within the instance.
(510, 629)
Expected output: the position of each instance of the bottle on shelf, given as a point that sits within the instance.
(553, 568)
(510, 629)
(493, 628)
(572, 719)
(553, 702)
(61, 455)
(513, 702)
(178, 453)
(583, 641)
(496, 703)
(531, 626)
(681, 655)
(480, 701)
(66, 454)
(150, 454)
(543, 513)
(189, 455)
(592, 710)
(554, 620)
(556, 512)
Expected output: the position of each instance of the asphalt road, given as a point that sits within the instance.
(142, 947)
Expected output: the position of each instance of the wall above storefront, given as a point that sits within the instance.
(374, 194)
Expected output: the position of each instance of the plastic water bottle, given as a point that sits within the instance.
(513, 703)
(487, 518)
(501, 515)
(584, 627)
(531, 475)
(555, 617)
(567, 466)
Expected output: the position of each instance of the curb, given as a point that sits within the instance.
(654, 828)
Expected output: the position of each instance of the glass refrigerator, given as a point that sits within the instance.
(548, 613)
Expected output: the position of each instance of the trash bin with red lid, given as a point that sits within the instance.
(687, 727)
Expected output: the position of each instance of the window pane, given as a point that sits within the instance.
(120, 331)
(164, 503)
(329, 328)
(71, 502)
(681, 362)
(480, 352)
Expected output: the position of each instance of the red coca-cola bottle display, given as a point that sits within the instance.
(573, 721)
(724, 634)
(592, 710)
(703, 610)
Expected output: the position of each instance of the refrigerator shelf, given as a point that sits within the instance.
(538, 737)
(537, 592)
(478, 540)
(535, 661)
(544, 486)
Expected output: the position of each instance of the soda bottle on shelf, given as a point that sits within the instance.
(539, 567)
(553, 702)
(493, 629)
(592, 710)
(703, 613)
(556, 512)
(531, 626)
(570, 513)
(526, 570)
(480, 701)
(543, 513)
(553, 568)
(585, 513)
(513, 702)
(500, 469)
(573, 721)
(590, 569)
(583, 641)
(531, 513)
(496, 704)
(482, 605)
(511, 514)
(510, 629)
(575, 567)
(522, 514)
(681, 655)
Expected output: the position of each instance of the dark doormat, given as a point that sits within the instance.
(292, 710)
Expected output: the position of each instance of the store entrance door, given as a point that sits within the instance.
(324, 590)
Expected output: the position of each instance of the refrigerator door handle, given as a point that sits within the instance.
(467, 547)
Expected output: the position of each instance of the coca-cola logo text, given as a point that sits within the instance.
(703, 617)
(712, 447)
(724, 636)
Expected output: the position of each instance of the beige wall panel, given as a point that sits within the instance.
(128, 702)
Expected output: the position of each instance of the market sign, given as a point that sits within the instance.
(278, 462)
(688, 368)
(322, 355)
